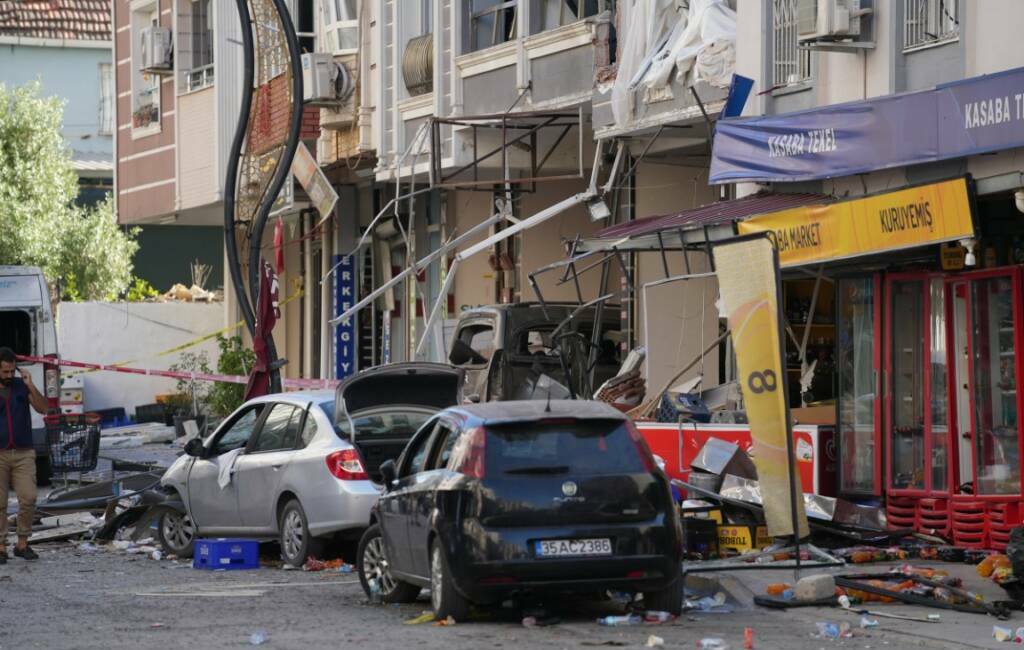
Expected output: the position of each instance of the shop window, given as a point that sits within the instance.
(491, 22)
(908, 442)
(342, 26)
(16, 331)
(858, 384)
(930, 22)
(994, 387)
(305, 28)
(790, 64)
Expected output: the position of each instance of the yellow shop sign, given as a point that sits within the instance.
(740, 539)
(916, 216)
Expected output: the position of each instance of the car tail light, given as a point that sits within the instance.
(636, 574)
(468, 457)
(346, 465)
(641, 446)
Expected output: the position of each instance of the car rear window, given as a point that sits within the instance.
(384, 423)
(572, 447)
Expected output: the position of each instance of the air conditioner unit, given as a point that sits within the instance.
(828, 19)
(325, 82)
(156, 50)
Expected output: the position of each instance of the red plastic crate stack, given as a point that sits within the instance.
(901, 512)
(969, 524)
(1002, 518)
(933, 516)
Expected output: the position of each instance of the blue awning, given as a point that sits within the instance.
(972, 116)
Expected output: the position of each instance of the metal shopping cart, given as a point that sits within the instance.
(73, 441)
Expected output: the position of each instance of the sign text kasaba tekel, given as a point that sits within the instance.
(916, 216)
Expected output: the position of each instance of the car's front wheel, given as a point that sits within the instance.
(177, 534)
(443, 596)
(375, 571)
(297, 543)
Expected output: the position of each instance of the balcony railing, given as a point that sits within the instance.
(199, 78)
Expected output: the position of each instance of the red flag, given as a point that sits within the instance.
(279, 245)
(267, 313)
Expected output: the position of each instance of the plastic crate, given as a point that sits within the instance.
(73, 442)
(226, 554)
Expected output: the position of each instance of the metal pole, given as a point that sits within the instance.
(231, 179)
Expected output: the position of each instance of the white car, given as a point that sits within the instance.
(288, 467)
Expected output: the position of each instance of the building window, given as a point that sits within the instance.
(145, 85)
(790, 64)
(342, 26)
(106, 112)
(200, 72)
(930, 22)
(491, 22)
(555, 13)
(305, 27)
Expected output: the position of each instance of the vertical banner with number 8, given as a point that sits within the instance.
(748, 281)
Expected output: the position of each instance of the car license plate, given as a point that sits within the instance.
(573, 547)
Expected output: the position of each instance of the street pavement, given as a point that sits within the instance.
(108, 599)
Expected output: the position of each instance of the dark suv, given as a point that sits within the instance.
(491, 500)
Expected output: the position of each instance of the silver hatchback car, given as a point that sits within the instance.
(289, 467)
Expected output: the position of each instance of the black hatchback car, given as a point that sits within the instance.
(492, 500)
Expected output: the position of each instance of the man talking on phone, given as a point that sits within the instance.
(17, 454)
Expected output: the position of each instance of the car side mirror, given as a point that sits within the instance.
(194, 447)
(389, 473)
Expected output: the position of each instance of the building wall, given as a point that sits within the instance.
(108, 333)
(145, 166)
(992, 33)
(474, 279)
(71, 73)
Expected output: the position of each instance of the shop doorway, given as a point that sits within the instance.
(987, 333)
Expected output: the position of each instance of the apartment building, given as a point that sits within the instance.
(178, 91)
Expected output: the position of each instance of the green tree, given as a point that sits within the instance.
(82, 248)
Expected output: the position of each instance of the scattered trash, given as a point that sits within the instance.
(866, 622)
(1018, 636)
(777, 588)
(425, 617)
(829, 630)
(529, 621)
(445, 623)
(375, 595)
(339, 565)
(156, 555)
(656, 618)
(156, 625)
(619, 621)
(654, 641)
(934, 617)
(258, 638)
(1002, 634)
(748, 638)
(712, 643)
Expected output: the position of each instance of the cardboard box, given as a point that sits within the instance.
(814, 414)
(740, 539)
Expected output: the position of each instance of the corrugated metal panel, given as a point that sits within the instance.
(714, 213)
(227, 57)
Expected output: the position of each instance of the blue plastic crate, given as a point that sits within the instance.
(226, 554)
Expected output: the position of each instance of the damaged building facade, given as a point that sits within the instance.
(501, 151)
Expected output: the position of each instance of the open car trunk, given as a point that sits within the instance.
(380, 409)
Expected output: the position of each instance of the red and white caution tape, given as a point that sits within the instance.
(172, 374)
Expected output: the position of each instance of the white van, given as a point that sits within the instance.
(27, 327)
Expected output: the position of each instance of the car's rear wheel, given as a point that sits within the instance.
(177, 534)
(669, 599)
(375, 571)
(297, 543)
(443, 596)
